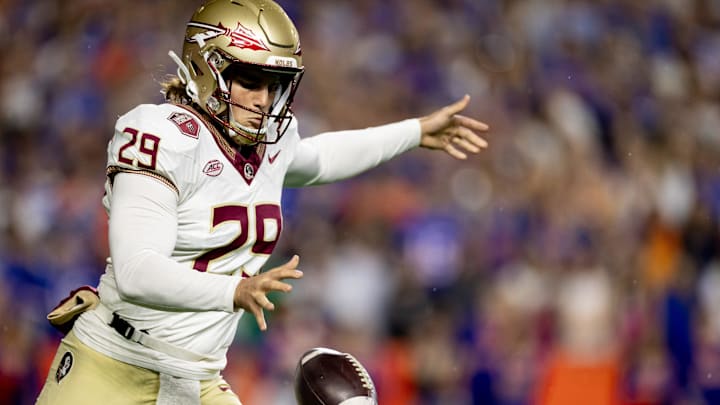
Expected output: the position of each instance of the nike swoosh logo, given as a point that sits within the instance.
(272, 158)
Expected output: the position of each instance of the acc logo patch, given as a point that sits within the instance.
(185, 123)
(213, 168)
(64, 367)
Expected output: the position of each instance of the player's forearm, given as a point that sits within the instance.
(143, 228)
(333, 156)
(150, 279)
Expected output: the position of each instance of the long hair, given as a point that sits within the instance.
(174, 90)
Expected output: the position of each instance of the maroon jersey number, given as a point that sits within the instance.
(149, 145)
(239, 213)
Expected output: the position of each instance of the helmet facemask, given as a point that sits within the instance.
(226, 38)
(282, 85)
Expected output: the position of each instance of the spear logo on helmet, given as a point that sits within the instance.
(244, 38)
(241, 37)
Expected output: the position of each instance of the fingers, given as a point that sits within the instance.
(457, 106)
(287, 270)
(454, 152)
(274, 285)
(262, 300)
(451, 132)
(259, 317)
(292, 263)
(466, 145)
(467, 135)
(251, 293)
(465, 139)
(473, 124)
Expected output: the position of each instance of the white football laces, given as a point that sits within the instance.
(362, 372)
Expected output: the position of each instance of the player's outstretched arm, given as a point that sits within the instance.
(251, 293)
(446, 130)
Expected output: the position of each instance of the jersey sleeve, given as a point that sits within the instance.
(333, 156)
(149, 140)
(142, 234)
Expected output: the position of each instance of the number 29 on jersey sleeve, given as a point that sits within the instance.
(148, 147)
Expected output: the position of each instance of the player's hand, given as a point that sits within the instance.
(445, 130)
(251, 293)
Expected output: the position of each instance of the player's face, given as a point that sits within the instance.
(255, 90)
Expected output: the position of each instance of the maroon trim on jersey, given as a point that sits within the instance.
(113, 170)
(246, 163)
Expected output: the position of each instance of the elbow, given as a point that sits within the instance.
(128, 281)
(127, 289)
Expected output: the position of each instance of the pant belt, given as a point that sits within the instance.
(126, 330)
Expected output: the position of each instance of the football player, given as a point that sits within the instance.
(193, 196)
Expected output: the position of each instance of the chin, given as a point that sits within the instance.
(247, 136)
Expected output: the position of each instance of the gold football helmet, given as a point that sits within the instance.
(224, 33)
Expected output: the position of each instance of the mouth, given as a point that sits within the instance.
(254, 122)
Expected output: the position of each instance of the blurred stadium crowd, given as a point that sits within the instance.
(576, 261)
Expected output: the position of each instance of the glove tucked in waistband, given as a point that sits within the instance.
(82, 299)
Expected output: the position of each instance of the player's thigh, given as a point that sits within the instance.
(217, 392)
(81, 376)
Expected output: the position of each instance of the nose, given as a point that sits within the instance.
(261, 98)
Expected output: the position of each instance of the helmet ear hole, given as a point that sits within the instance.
(195, 69)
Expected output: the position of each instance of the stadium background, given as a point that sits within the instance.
(576, 258)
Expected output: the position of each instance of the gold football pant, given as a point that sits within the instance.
(80, 375)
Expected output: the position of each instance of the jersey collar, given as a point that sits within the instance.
(247, 163)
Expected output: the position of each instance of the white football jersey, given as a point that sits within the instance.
(229, 220)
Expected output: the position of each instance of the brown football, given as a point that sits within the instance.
(328, 377)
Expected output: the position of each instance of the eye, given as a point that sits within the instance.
(248, 83)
